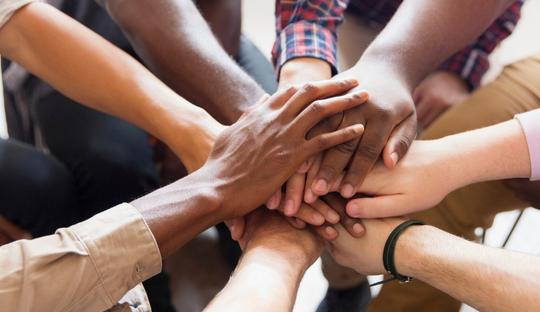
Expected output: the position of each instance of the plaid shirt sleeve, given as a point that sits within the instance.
(307, 28)
(472, 62)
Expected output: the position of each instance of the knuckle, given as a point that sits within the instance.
(348, 147)
(403, 143)
(322, 142)
(309, 88)
(368, 151)
(291, 89)
(317, 108)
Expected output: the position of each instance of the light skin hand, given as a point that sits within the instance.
(432, 169)
(437, 93)
(276, 255)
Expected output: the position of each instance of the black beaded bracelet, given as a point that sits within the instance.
(390, 248)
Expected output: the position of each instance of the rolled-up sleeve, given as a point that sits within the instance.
(89, 266)
(530, 123)
(307, 28)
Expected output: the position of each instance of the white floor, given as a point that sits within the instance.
(198, 269)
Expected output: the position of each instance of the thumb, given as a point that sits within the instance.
(236, 227)
(399, 142)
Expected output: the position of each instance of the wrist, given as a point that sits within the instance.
(302, 70)
(411, 250)
(291, 262)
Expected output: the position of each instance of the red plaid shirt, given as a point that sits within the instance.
(307, 28)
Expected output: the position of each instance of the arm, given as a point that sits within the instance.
(463, 72)
(88, 69)
(432, 169)
(485, 278)
(117, 249)
(176, 43)
(276, 256)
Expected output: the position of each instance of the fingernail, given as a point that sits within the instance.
(358, 228)
(394, 157)
(352, 209)
(332, 217)
(289, 207)
(347, 191)
(300, 223)
(321, 187)
(309, 197)
(330, 231)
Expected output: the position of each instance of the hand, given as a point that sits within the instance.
(437, 93)
(256, 155)
(390, 120)
(526, 190)
(9, 232)
(267, 229)
(417, 183)
(364, 254)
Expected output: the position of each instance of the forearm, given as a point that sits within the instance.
(177, 44)
(492, 153)
(485, 278)
(180, 211)
(265, 280)
(422, 34)
(90, 70)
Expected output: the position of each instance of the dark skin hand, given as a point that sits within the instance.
(392, 66)
(178, 46)
(250, 160)
(526, 190)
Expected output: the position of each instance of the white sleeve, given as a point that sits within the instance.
(9, 7)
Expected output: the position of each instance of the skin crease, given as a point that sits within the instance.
(401, 62)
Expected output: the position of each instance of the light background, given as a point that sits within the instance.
(198, 270)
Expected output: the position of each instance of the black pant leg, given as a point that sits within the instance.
(36, 190)
(110, 159)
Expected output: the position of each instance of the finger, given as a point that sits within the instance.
(325, 210)
(334, 162)
(312, 91)
(422, 109)
(309, 196)
(377, 207)
(293, 194)
(367, 153)
(326, 108)
(328, 140)
(327, 232)
(278, 99)
(296, 223)
(13, 231)
(399, 142)
(352, 225)
(236, 227)
(274, 201)
(309, 215)
(306, 165)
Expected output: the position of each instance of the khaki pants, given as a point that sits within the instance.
(516, 90)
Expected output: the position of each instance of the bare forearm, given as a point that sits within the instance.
(492, 153)
(177, 44)
(90, 70)
(485, 278)
(180, 211)
(265, 280)
(423, 33)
